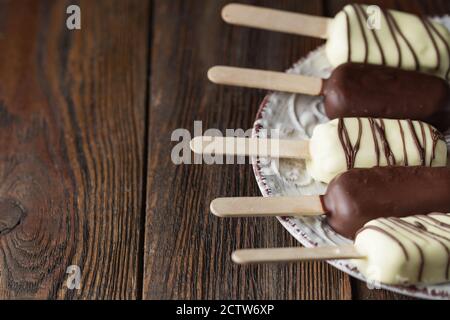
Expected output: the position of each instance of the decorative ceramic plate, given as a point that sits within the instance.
(295, 116)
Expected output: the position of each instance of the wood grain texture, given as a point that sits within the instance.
(187, 250)
(85, 170)
(72, 118)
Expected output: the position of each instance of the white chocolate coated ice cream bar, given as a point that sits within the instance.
(395, 39)
(406, 250)
(343, 144)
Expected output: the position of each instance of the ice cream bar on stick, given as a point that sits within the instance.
(361, 33)
(353, 90)
(343, 144)
(393, 251)
(355, 197)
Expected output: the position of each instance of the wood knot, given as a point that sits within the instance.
(11, 214)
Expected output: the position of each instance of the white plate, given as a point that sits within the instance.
(296, 116)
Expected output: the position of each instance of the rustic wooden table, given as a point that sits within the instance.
(86, 177)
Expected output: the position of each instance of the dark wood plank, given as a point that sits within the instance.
(435, 7)
(72, 119)
(187, 251)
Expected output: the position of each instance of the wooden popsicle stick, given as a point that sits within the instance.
(274, 148)
(269, 80)
(276, 20)
(277, 255)
(267, 207)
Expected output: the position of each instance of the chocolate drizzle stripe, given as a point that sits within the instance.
(397, 34)
(435, 223)
(380, 140)
(349, 37)
(388, 151)
(422, 261)
(405, 153)
(361, 25)
(341, 126)
(424, 142)
(447, 46)
(415, 232)
(436, 136)
(398, 222)
(375, 36)
(358, 142)
(386, 233)
(417, 142)
(433, 40)
(390, 158)
(397, 28)
(350, 151)
(432, 224)
(375, 139)
(433, 146)
(394, 36)
(438, 222)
